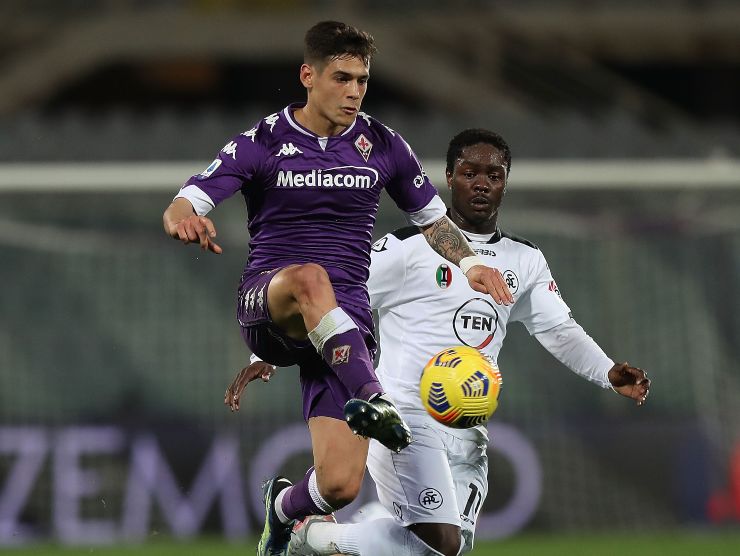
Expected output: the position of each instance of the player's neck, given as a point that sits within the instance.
(487, 227)
(316, 123)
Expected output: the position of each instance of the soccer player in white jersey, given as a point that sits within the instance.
(425, 305)
(314, 172)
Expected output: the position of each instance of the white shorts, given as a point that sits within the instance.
(439, 478)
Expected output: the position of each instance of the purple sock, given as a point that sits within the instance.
(303, 499)
(347, 355)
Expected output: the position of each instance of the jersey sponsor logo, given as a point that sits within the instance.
(379, 245)
(419, 181)
(488, 252)
(512, 281)
(444, 276)
(363, 146)
(475, 323)
(553, 287)
(349, 177)
(430, 498)
(230, 149)
(340, 354)
(252, 133)
(212, 168)
(289, 149)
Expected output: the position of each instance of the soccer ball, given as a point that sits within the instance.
(460, 386)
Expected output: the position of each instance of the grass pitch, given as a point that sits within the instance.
(678, 543)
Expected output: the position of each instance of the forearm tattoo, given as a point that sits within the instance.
(447, 240)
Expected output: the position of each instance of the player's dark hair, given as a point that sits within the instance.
(331, 39)
(471, 137)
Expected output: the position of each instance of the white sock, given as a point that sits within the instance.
(332, 323)
(368, 538)
(313, 490)
(279, 506)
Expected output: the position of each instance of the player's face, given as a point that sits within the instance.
(336, 90)
(477, 183)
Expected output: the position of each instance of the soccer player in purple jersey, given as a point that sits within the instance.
(314, 172)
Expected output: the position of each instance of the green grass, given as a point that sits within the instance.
(667, 544)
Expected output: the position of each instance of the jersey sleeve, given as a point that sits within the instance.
(410, 187)
(540, 306)
(387, 271)
(235, 166)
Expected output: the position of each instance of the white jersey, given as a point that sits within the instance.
(425, 304)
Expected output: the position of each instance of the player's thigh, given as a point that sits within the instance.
(307, 282)
(339, 457)
(282, 305)
(416, 485)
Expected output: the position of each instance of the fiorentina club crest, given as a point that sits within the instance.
(340, 355)
(364, 146)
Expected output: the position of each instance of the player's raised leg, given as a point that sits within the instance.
(301, 301)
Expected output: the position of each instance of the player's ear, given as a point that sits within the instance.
(307, 75)
(448, 175)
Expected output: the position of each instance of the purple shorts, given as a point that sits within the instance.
(323, 393)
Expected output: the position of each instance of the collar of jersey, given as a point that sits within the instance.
(495, 238)
(288, 113)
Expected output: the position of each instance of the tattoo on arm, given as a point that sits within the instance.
(446, 239)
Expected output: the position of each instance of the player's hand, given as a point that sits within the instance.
(258, 369)
(198, 229)
(630, 382)
(489, 280)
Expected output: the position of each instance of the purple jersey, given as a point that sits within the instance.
(314, 199)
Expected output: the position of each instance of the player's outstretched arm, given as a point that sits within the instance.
(446, 239)
(629, 381)
(181, 223)
(258, 369)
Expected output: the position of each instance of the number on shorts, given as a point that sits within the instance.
(474, 493)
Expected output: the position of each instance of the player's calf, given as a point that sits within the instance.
(339, 487)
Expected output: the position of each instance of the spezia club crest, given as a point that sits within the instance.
(511, 281)
(364, 146)
(444, 276)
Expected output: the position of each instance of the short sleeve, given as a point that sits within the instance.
(236, 165)
(409, 187)
(387, 271)
(541, 306)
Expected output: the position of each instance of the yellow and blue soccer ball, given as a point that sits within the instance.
(460, 386)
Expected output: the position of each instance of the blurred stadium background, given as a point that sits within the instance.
(116, 344)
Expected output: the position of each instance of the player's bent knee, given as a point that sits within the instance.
(309, 279)
(444, 538)
(311, 275)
